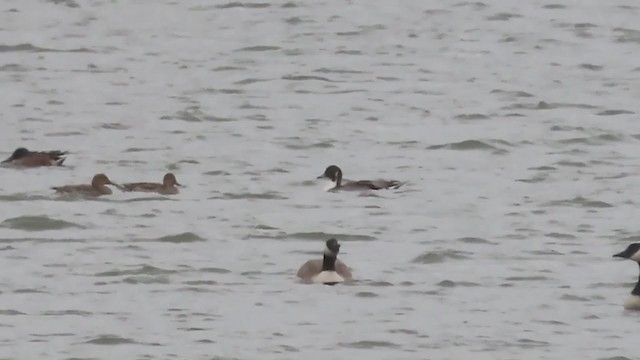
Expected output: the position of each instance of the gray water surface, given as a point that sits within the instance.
(514, 125)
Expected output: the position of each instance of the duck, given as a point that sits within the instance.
(168, 186)
(334, 174)
(632, 252)
(329, 270)
(97, 188)
(22, 157)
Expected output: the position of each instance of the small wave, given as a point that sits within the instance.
(528, 343)
(325, 236)
(593, 140)
(339, 71)
(67, 312)
(614, 112)
(234, 4)
(467, 145)
(366, 294)
(570, 297)
(318, 145)
(22, 197)
(434, 257)
(200, 282)
(11, 312)
(306, 77)
(566, 163)
(474, 240)
(37, 223)
(527, 278)
(110, 340)
(142, 270)
(452, 284)
(556, 235)
(471, 117)
(216, 173)
(32, 48)
(270, 195)
(186, 237)
(194, 114)
(29, 291)
(13, 68)
(503, 17)
(215, 270)
(369, 344)
(379, 283)
(511, 93)
(259, 48)
(543, 105)
(144, 279)
(579, 202)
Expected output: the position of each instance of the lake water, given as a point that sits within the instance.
(514, 125)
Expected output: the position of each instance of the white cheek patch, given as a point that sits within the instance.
(329, 185)
(636, 256)
(327, 251)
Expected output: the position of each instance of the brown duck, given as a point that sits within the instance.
(97, 188)
(168, 186)
(24, 158)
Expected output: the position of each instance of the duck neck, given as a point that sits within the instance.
(328, 263)
(636, 290)
(339, 179)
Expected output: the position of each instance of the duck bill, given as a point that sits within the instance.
(7, 160)
(320, 177)
(180, 185)
(621, 255)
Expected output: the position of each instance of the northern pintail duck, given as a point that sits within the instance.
(334, 174)
(168, 186)
(98, 187)
(25, 158)
(329, 270)
(632, 252)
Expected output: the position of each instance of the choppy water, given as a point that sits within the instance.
(514, 123)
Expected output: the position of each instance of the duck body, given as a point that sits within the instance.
(97, 188)
(22, 157)
(168, 186)
(632, 252)
(336, 182)
(310, 272)
(328, 271)
(632, 303)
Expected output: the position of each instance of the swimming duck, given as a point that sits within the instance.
(168, 186)
(25, 158)
(98, 187)
(632, 252)
(329, 270)
(334, 174)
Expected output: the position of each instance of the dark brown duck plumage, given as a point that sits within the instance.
(22, 157)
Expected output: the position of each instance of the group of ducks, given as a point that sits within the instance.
(329, 270)
(22, 157)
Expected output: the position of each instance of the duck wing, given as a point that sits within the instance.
(378, 184)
